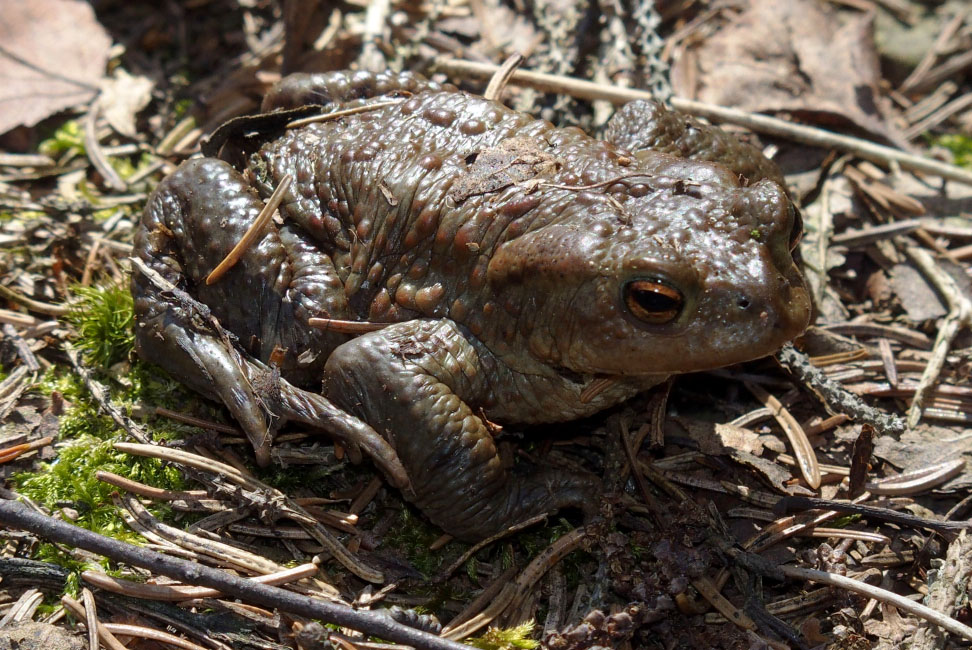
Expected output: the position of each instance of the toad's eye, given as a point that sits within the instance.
(652, 302)
(796, 230)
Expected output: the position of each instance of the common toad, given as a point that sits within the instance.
(527, 274)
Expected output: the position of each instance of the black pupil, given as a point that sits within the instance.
(653, 301)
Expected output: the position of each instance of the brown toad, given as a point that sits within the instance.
(527, 274)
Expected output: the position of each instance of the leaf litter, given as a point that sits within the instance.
(700, 484)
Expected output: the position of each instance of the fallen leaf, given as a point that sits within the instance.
(512, 161)
(795, 56)
(919, 299)
(122, 97)
(52, 56)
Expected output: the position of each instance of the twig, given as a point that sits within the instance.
(760, 123)
(187, 592)
(836, 396)
(17, 515)
(959, 317)
(882, 595)
(788, 504)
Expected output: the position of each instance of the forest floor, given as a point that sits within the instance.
(814, 499)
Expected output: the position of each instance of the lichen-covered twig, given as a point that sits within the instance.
(835, 396)
(959, 316)
(947, 590)
(788, 504)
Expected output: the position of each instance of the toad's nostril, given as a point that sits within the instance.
(743, 303)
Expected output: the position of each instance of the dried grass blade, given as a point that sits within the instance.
(254, 232)
(802, 450)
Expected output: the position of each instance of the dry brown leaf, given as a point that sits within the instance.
(122, 97)
(919, 299)
(795, 56)
(52, 56)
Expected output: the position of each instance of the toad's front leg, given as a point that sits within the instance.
(414, 383)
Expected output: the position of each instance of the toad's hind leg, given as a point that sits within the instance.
(192, 220)
(413, 381)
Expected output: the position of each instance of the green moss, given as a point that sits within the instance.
(21, 215)
(103, 318)
(959, 145)
(506, 639)
(70, 481)
(413, 536)
(69, 137)
(181, 108)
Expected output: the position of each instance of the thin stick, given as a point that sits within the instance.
(187, 592)
(17, 515)
(883, 595)
(761, 123)
(254, 232)
(959, 317)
